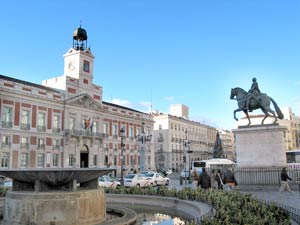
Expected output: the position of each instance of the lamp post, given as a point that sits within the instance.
(143, 139)
(187, 152)
(122, 134)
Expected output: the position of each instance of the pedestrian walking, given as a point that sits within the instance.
(204, 180)
(219, 179)
(195, 177)
(284, 181)
(213, 181)
(229, 180)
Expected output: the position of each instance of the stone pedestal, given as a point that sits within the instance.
(260, 146)
(86, 207)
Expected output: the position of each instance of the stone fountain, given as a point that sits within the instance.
(55, 196)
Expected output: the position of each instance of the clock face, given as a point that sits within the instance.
(71, 66)
(86, 66)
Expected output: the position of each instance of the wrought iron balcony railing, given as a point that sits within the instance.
(84, 133)
(41, 128)
(7, 124)
(5, 145)
(25, 126)
(56, 130)
(25, 145)
(41, 146)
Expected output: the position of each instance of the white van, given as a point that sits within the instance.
(216, 163)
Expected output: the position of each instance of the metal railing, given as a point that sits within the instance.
(7, 124)
(25, 126)
(85, 133)
(264, 176)
(41, 128)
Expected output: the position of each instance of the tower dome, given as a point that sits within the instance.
(80, 39)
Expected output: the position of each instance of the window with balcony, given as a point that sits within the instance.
(105, 129)
(55, 124)
(4, 159)
(25, 120)
(24, 160)
(138, 131)
(72, 122)
(131, 160)
(72, 160)
(95, 127)
(55, 160)
(41, 126)
(115, 131)
(56, 144)
(24, 142)
(41, 143)
(40, 160)
(131, 135)
(5, 141)
(7, 117)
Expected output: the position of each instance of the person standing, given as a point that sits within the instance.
(213, 180)
(219, 179)
(284, 181)
(229, 180)
(195, 177)
(204, 180)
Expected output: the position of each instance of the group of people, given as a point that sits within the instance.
(215, 180)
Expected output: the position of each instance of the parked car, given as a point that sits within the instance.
(157, 179)
(135, 180)
(106, 181)
(169, 171)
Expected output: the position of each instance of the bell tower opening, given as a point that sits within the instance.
(80, 39)
(84, 156)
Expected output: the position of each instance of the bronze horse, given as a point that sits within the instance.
(263, 102)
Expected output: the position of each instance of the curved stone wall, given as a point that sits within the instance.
(187, 210)
(87, 207)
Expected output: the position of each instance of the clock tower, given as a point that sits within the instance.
(78, 67)
(79, 59)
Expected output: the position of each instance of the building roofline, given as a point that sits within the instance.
(120, 106)
(28, 83)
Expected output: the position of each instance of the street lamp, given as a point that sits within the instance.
(122, 135)
(187, 152)
(143, 139)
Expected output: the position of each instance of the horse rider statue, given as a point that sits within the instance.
(253, 92)
(254, 99)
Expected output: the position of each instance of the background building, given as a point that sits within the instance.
(179, 141)
(65, 123)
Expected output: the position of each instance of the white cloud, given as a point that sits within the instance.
(125, 103)
(169, 98)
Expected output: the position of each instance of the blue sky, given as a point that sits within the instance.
(162, 51)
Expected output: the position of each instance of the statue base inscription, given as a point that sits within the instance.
(260, 146)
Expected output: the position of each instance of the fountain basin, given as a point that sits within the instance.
(54, 178)
(86, 207)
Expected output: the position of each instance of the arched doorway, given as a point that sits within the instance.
(84, 156)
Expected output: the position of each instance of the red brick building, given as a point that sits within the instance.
(65, 123)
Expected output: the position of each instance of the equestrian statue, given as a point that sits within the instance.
(254, 99)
